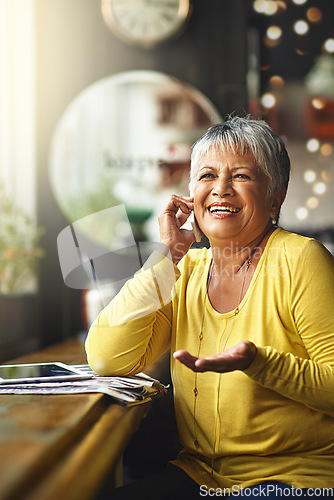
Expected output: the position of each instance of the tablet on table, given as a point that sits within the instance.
(39, 372)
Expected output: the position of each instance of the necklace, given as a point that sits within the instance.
(248, 263)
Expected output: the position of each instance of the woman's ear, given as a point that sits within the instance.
(277, 200)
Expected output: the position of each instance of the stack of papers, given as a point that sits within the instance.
(128, 391)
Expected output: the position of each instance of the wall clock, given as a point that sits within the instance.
(145, 22)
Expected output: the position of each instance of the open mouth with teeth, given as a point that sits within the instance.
(223, 210)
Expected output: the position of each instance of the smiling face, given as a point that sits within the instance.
(231, 200)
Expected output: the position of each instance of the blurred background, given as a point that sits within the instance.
(100, 103)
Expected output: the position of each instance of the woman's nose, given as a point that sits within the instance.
(222, 187)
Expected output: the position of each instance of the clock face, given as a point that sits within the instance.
(145, 22)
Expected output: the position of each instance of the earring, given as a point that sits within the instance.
(273, 220)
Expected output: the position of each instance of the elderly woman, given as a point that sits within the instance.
(249, 322)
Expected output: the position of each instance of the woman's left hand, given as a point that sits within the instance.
(238, 357)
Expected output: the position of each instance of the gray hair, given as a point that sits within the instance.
(242, 136)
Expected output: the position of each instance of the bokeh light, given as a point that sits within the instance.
(274, 32)
(314, 15)
(265, 67)
(312, 202)
(267, 7)
(299, 2)
(309, 176)
(325, 174)
(268, 100)
(276, 81)
(312, 145)
(301, 27)
(281, 5)
(326, 149)
(320, 188)
(269, 42)
(302, 213)
(329, 45)
(318, 103)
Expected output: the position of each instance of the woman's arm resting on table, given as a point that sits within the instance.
(134, 329)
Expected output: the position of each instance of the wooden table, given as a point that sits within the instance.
(62, 447)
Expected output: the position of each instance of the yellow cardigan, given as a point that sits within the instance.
(276, 419)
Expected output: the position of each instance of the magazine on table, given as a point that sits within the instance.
(128, 391)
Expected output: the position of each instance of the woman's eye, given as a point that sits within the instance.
(206, 176)
(242, 176)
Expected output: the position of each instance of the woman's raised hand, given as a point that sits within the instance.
(171, 221)
(238, 357)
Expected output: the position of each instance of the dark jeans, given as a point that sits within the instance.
(174, 484)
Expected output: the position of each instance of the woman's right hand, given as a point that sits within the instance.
(171, 221)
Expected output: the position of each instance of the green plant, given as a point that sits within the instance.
(19, 247)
